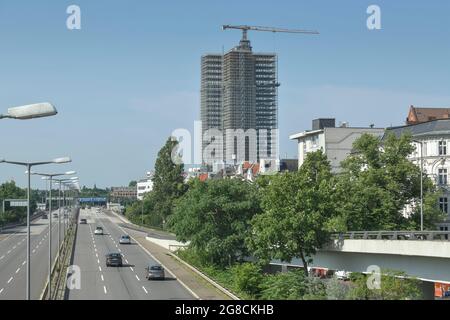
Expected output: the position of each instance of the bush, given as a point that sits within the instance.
(293, 285)
(248, 278)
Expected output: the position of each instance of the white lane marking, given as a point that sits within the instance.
(126, 261)
(103, 279)
(100, 268)
(138, 278)
(17, 271)
(2, 290)
(2, 257)
(131, 268)
(104, 289)
(98, 261)
(9, 252)
(10, 279)
(14, 247)
(145, 289)
(24, 263)
(96, 255)
(34, 250)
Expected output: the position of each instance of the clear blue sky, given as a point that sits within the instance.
(131, 76)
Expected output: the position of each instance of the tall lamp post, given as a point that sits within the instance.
(421, 182)
(29, 165)
(50, 177)
(61, 184)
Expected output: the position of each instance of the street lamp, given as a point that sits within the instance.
(50, 177)
(29, 165)
(32, 111)
(60, 182)
(421, 182)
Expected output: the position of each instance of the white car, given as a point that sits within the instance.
(342, 275)
(125, 239)
(98, 231)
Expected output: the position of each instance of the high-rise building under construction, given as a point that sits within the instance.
(239, 106)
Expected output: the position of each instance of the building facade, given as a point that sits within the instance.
(144, 186)
(432, 143)
(239, 103)
(335, 142)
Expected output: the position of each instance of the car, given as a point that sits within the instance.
(55, 215)
(155, 272)
(83, 221)
(98, 231)
(125, 239)
(342, 275)
(45, 217)
(114, 260)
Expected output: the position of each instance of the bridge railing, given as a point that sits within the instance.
(394, 235)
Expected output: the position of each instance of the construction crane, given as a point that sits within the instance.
(246, 29)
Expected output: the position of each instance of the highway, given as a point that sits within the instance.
(99, 282)
(13, 248)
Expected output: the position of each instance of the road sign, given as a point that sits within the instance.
(18, 203)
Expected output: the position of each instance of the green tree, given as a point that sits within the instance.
(292, 285)
(394, 285)
(132, 184)
(214, 216)
(297, 207)
(248, 278)
(9, 190)
(378, 181)
(168, 180)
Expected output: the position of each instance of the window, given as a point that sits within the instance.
(443, 204)
(442, 177)
(442, 148)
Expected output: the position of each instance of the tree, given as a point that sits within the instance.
(292, 285)
(377, 183)
(248, 278)
(132, 184)
(215, 217)
(9, 190)
(394, 285)
(168, 180)
(296, 209)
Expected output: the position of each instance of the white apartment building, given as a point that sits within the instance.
(432, 142)
(335, 142)
(144, 186)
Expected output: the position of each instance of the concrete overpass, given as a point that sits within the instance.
(425, 255)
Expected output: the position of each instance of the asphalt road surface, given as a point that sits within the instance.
(13, 248)
(99, 282)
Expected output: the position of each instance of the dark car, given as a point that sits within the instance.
(83, 221)
(114, 260)
(155, 272)
(45, 217)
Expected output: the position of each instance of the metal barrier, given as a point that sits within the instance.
(393, 235)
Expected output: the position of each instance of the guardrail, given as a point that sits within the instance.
(393, 235)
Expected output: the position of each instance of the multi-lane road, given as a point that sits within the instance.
(13, 248)
(99, 282)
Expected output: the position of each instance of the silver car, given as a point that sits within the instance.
(155, 272)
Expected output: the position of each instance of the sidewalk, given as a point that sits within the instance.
(203, 289)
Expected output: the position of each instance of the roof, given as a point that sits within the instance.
(420, 115)
(254, 166)
(430, 128)
(315, 132)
